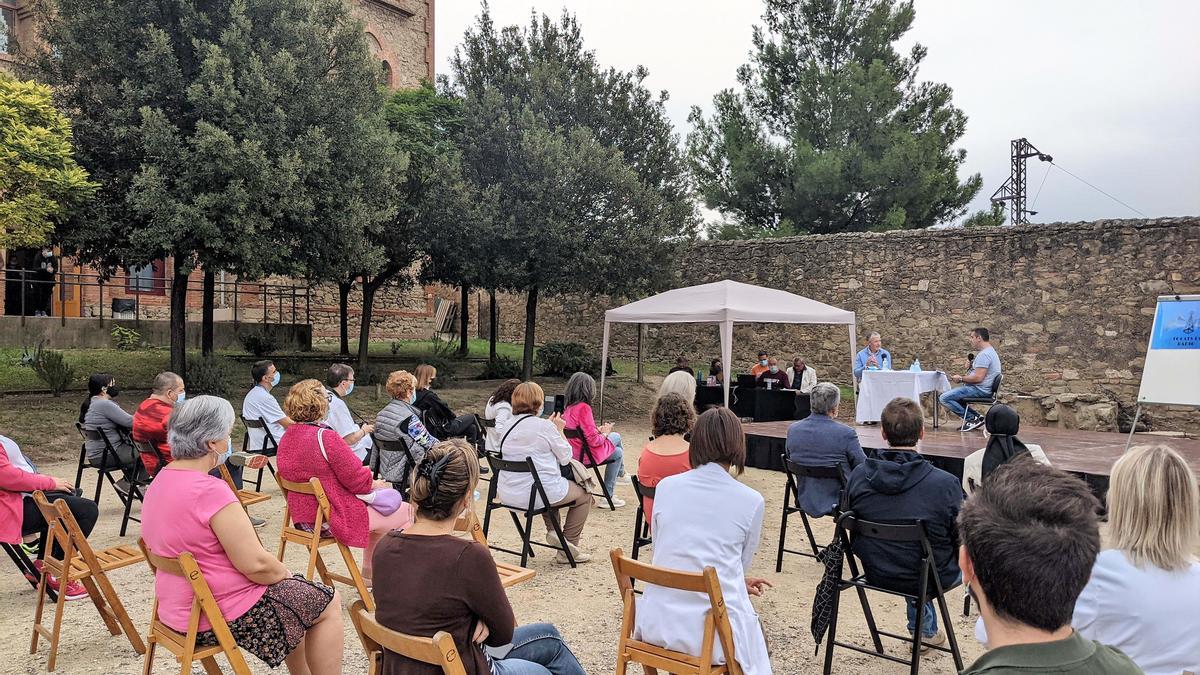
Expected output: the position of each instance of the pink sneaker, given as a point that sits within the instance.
(75, 590)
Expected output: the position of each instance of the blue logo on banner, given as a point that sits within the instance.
(1177, 325)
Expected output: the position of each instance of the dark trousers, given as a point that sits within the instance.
(85, 511)
(235, 472)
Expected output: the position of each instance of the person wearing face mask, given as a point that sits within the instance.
(279, 617)
(150, 418)
(339, 383)
(777, 378)
(101, 412)
(399, 421)
(259, 404)
(761, 365)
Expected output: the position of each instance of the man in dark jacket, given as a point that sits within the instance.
(821, 440)
(900, 486)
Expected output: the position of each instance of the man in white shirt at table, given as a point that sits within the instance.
(802, 377)
(872, 357)
(977, 383)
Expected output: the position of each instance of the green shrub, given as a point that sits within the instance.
(566, 358)
(445, 370)
(52, 369)
(396, 347)
(126, 339)
(444, 349)
(258, 344)
(501, 368)
(207, 375)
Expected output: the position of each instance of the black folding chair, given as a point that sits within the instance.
(378, 448)
(110, 462)
(25, 566)
(849, 528)
(988, 400)
(589, 460)
(791, 504)
(144, 448)
(641, 524)
(536, 493)
(270, 448)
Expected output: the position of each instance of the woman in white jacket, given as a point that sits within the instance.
(499, 411)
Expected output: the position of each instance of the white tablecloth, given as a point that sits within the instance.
(878, 387)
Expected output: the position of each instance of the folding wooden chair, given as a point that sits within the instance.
(589, 460)
(26, 568)
(510, 575)
(269, 447)
(245, 497)
(79, 563)
(653, 657)
(536, 493)
(438, 650)
(314, 542)
(791, 504)
(641, 525)
(110, 463)
(183, 645)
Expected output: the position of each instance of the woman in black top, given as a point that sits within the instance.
(437, 416)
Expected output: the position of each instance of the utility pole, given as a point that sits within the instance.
(1013, 191)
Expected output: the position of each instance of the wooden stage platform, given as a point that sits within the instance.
(1087, 453)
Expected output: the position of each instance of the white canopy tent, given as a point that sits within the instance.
(725, 303)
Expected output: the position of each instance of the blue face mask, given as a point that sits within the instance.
(181, 397)
(774, 369)
(412, 398)
(228, 452)
(275, 380)
(763, 362)
(350, 389)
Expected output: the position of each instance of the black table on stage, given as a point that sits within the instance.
(761, 405)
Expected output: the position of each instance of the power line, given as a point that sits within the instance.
(1043, 184)
(1098, 190)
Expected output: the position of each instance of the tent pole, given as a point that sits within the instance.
(641, 331)
(603, 368)
(853, 344)
(726, 355)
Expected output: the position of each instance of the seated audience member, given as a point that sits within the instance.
(150, 418)
(499, 410)
(667, 452)
(977, 383)
(678, 383)
(871, 357)
(705, 517)
(802, 377)
(278, 617)
(100, 412)
(681, 364)
(439, 418)
(716, 370)
(1002, 424)
(776, 377)
(542, 439)
(21, 522)
(259, 404)
(431, 580)
(1029, 542)
(339, 382)
(400, 421)
(821, 440)
(603, 443)
(309, 448)
(761, 365)
(899, 485)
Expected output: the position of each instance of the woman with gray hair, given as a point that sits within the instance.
(603, 443)
(278, 617)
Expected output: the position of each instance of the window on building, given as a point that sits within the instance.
(8, 25)
(147, 279)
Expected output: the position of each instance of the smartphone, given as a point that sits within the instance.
(554, 405)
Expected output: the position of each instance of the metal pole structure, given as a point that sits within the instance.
(235, 306)
(62, 297)
(264, 303)
(137, 309)
(100, 311)
(641, 330)
(1013, 190)
(24, 288)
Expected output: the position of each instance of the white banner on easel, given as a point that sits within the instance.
(1171, 375)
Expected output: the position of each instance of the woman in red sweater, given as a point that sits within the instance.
(309, 448)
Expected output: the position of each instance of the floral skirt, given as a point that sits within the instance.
(276, 624)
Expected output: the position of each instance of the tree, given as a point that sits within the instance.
(832, 131)
(588, 182)
(224, 133)
(993, 217)
(40, 183)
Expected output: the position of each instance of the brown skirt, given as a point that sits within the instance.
(276, 624)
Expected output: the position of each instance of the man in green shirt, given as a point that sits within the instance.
(1029, 539)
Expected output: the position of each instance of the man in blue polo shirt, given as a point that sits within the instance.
(977, 383)
(872, 357)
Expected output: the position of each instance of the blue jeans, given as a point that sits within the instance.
(928, 621)
(538, 649)
(951, 398)
(614, 470)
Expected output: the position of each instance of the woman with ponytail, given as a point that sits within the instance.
(429, 580)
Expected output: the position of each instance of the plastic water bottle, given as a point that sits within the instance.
(916, 366)
(475, 495)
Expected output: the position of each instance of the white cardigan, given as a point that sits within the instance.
(535, 437)
(807, 381)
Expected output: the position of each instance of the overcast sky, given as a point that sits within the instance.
(1110, 88)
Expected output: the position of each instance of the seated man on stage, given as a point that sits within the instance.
(872, 357)
(777, 378)
(761, 366)
(802, 377)
(821, 440)
(977, 383)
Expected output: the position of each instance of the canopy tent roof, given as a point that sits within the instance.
(728, 301)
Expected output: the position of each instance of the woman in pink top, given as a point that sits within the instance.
(667, 452)
(602, 441)
(342, 474)
(278, 617)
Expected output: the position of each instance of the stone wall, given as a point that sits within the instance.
(1069, 305)
(401, 33)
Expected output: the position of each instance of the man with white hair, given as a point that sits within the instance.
(821, 440)
(872, 357)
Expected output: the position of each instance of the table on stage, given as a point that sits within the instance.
(759, 404)
(878, 387)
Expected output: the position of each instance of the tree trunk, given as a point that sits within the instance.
(206, 318)
(364, 329)
(464, 319)
(344, 288)
(530, 323)
(179, 289)
(493, 330)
